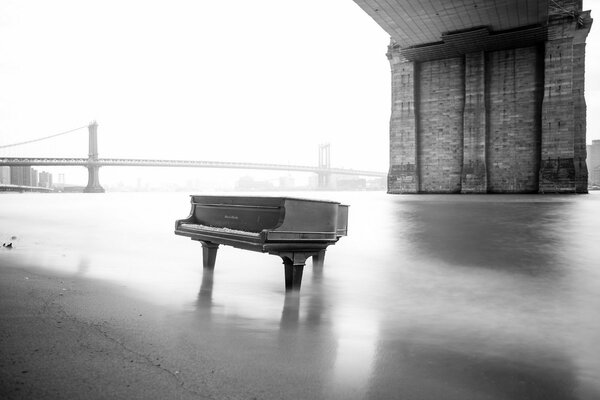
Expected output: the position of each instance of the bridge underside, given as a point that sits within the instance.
(487, 95)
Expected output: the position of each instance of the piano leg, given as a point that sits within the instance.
(318, 259)
(294, 266)
(209, 255)
(293, 276)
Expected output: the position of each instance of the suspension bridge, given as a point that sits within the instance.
(93, 162)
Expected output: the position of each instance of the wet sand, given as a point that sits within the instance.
(65, 338)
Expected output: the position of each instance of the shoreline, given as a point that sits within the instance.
(65, 337)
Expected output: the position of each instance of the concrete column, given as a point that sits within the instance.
(563, 168)
(580, 120)
(93, 185)
(440, 98)
(557, 171)
(403, 173)
(474, 174)
(583, 26)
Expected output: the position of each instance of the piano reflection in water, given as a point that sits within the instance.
(291, 228)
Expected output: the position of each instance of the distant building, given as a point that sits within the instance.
(20, 176)
(45, 179)
(27, 176)
(595, 176)
(5, 175)
(34, 177)
(593, 162)
(17, 175)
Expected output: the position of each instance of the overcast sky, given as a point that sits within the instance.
(259, 81)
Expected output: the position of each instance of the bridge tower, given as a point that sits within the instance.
(93, 185)
(324, 164)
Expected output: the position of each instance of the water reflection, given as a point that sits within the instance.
(318, 297)
(356, 337)
(290, 314)
(519, 235)
(475, 299)
(206, 289)
(448, 367)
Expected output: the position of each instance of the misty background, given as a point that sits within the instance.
(263, 82)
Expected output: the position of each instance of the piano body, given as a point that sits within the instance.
(291, 228)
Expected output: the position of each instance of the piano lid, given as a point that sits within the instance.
(259, 213)
(251, 200)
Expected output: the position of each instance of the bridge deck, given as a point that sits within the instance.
(130, 162)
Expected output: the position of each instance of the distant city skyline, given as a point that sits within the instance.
(31, 177)
(25, 176)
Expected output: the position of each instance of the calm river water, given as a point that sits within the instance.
(429, 296)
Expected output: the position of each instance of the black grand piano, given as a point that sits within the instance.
(291, 228)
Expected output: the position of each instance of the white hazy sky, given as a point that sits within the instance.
(259, 81)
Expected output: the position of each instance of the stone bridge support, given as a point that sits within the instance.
(93, 185)
(474, 173)
(492, 112)
(563, 151)
(403, 177)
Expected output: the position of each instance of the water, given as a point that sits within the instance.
(428, 297)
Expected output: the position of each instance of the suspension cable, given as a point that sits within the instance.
(43, 138)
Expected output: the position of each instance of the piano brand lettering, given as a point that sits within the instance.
(231, 217)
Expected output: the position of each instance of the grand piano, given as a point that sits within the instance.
(291, 228)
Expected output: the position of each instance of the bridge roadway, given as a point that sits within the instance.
(130, 162)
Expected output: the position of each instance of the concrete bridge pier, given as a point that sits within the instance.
(93, 185)
(563, 151)
(487, 96)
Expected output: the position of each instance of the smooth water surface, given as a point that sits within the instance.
(429, 296)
